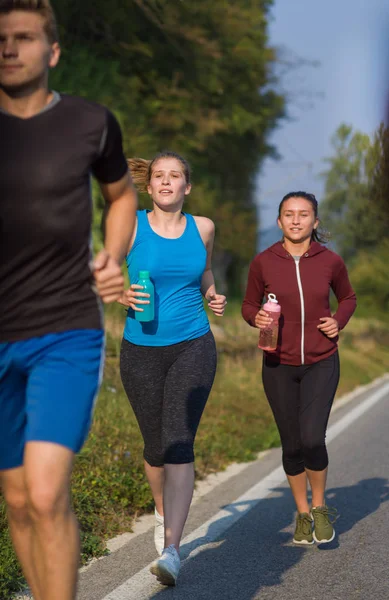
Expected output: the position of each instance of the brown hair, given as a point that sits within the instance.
(39, 7)
(141, 169)
(321, 236)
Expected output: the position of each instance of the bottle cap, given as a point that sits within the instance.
(272, 298)
(144, 275)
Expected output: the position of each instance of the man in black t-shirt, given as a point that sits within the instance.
(51, 338)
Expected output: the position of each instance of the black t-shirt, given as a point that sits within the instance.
(46, 284)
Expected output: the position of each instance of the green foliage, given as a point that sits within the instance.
(347, 208)
(380, 179)
(194, 77)
(355, 206)
(11, 579)
(370, 278)
(356, 209)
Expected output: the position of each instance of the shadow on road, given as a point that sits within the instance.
(354, 503)
(257, 551)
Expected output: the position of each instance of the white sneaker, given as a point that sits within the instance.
(159, 532)
(166, 568)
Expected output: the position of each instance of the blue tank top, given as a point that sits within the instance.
(176, 268)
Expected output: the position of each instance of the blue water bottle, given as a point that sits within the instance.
(148, 288)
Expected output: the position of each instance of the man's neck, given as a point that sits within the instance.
(25, 105)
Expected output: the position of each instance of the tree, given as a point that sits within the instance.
(353, 206)
(380, 179)
(356, 206)
(370, 277)
(194, 77)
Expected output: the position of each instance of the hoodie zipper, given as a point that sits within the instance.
(300, 287)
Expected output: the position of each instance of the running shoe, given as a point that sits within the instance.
(166, 567)
(324, 518)
(303, 532)
(159, 532)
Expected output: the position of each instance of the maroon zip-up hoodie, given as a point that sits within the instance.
(303, 292)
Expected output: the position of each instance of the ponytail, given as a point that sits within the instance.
(140, 172)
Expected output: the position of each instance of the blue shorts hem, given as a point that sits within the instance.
(74, 447)
(11, 463)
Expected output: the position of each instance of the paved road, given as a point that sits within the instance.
(238, 537)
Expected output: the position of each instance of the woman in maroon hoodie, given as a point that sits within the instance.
(300, 378)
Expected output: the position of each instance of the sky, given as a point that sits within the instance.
(350, 40)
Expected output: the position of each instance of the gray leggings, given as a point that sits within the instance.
(168, 388)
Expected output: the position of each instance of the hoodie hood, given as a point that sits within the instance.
(314, 249)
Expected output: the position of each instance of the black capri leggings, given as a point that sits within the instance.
(168, 388)
(301, 399)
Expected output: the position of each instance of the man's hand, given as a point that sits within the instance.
(108, 277)
(329, 326)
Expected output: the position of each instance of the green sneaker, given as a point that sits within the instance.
(324, 518)
(303, 532)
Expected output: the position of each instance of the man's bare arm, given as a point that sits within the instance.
(119, 227)
(120, 220)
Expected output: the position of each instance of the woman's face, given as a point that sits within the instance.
(297, 220)
(168, 186)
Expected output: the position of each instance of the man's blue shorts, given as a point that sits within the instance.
(48, 387)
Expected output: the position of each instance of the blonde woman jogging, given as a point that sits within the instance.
(168, 365)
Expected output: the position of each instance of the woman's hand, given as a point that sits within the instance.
(131, 297)
(217, 304)
(262, 319)
(329, 326)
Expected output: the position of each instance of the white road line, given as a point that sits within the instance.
(143, 585)
(356, 412)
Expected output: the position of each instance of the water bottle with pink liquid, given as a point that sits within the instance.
(268, 336)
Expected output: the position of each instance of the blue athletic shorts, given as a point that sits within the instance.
(48, 387)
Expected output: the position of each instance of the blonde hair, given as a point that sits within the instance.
(39, 7)
(141, 168)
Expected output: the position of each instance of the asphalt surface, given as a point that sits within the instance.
(238, 543)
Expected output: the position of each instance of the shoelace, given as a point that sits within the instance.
(325, 512)
(304, 524)
(170, 550)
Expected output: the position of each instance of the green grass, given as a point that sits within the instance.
(109, 486)
(11, 579)
(364, 353)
